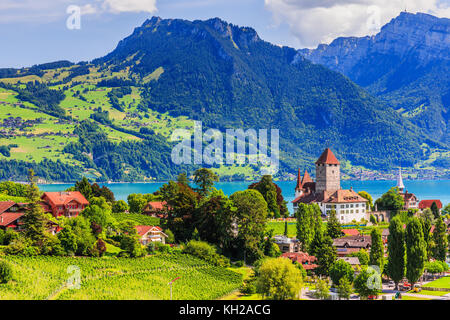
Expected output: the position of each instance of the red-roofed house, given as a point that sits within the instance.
(302, 258)
(10, 214)
(67, 203)
(350, 232)
(149, 234)
(424, 204)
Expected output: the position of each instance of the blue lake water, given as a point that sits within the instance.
(423, 189)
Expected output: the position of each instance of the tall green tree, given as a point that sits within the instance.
(416, 251)
(391, 200)
(204, 179)
(305, 226)
(426, 219)
(273, 196)
(396, 265)
(322, 248)
(279, 279)
(333, 225)
(214, 219)
(251, 215)
(341, 269)
(434, 208)
(376, 249)
(368, 282)
(33, 219)
(84, 187)
(267, 189)
(440, 240)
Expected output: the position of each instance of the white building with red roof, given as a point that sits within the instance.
(327, 193)
(64, 203)
(148, 234)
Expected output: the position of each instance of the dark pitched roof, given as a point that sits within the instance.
(327, 157)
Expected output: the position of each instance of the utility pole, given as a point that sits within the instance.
(170, 283)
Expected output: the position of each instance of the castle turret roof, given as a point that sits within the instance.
(327, 157)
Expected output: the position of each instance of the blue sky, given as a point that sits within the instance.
(34, 32)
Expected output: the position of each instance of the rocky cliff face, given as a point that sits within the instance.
(407, 64)
(425, 36)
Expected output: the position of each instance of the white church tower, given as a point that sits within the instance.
(400, 184)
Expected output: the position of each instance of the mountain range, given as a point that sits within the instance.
(111, 118)
(407, 64)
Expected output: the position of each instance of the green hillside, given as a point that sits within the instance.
(111, 119)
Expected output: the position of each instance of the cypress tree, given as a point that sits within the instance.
(440, 240)
(396, 251)
(434, 208)
(376, 250)
(33, 219)
(416, 251)
(305, 227)
(333, 226)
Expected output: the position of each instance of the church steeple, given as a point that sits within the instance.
(400, 184)
(299, 181)
(299, 186)
(306, 178)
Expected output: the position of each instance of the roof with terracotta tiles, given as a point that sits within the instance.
(8, 218)
(62, 198)
(327, 157)
(427, 204)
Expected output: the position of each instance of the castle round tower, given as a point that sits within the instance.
(328, 174)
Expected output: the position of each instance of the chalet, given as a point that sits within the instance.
(287, 244)
(11, 214)
(156, 209)
(327, 193)
(307, 261)
(426, 204)
(350, 244)
(149, 234)
(67, 203)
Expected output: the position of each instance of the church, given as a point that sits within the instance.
(327, 193)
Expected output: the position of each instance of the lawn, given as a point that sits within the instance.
(443, 282)
(278, 228)
(413, 298)
(430, 293)
(140, 219)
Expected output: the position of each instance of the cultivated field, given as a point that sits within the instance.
(39, 278)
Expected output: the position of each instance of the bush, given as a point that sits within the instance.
(239, 263)
(207, 252)
(6, 272)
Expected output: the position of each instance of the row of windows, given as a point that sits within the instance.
(351, 205)
(348, 211)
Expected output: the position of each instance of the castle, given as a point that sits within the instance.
(327, 193)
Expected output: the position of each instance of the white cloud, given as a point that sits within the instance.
(117, 6)
(12, 11)
(320, 21)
